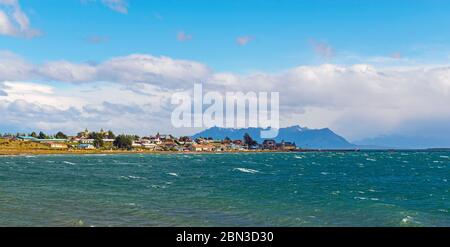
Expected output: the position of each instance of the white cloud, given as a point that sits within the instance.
(13, 67)
(35, 106)
(120, 6)
(357, 100)
(136, 68)
(67, 72)
(13, 21)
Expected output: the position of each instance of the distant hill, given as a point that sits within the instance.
(409, 142)
(303, 137)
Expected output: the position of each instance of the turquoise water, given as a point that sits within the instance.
(269, 189)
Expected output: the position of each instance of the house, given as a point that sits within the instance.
(56, 145)
(238, 142)
(84, 134)
(235, 147)
(185, 140)
(286, 146)
(136, 144)
(255, 147)
(220, 147)
(202, 148)
(86, 141)
(86, 146)
(269, 144)
(53, 140)
(169, 144)
(146, 143)
(164, 137)
(26, 138)
(150, 146)
(153, 139)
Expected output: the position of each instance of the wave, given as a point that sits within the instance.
(360, 198)
(173, 174)
(246, 170)
(408, 220)
(130, 177)
(69, 163)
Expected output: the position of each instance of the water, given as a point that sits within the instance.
(267, 189)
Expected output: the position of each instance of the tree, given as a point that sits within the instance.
(185, 139)
(248, 140)
(98, 143)
(98, 139)
(33, 134)
(123, 141)
(111, 135)
(60, 135)
(42, 135)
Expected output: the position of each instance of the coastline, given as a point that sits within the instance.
(6, 152)
(112, 152)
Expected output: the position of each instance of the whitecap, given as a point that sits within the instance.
(173, 174)
(408, 219)
(246, 170)
(154, 186)
(69, 163)
(360, 198)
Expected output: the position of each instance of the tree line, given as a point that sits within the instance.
(121, 141)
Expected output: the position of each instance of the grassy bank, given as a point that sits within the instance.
(9, 147)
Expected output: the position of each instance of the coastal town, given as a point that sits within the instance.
(107, 141)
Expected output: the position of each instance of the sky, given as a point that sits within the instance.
(362, 68)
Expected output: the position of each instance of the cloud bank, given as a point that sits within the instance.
(133, 92)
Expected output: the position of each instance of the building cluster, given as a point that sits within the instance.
(160, 142)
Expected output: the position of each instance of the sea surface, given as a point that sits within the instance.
(243, 189)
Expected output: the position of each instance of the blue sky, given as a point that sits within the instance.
(362, 68)
(282, 32)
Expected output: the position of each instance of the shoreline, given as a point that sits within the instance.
(6, 152)
(114, 152)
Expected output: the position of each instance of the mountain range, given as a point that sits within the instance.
(302, 136)
(405, 142)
